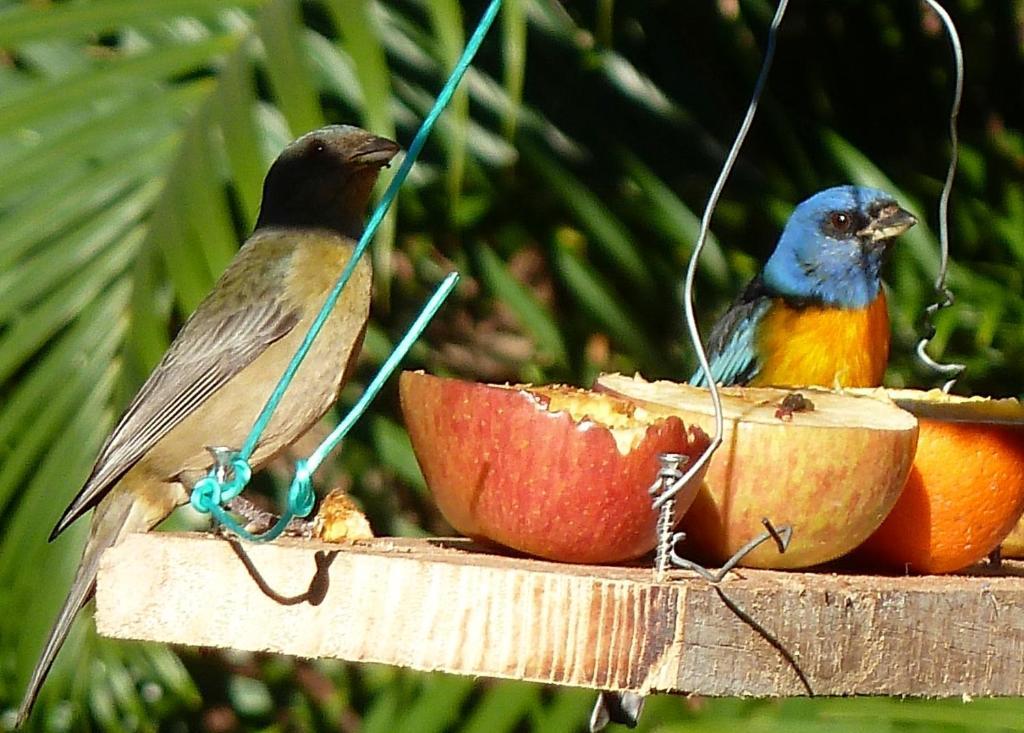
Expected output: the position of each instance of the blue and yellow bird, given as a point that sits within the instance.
(816, 314)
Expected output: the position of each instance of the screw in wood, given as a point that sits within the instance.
(669, 473)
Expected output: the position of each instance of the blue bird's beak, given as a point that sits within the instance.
(890, 221)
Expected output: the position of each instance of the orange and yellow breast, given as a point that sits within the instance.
(828, 347)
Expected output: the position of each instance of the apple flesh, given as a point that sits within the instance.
(339, 519)
(556, 472)
(831, 472)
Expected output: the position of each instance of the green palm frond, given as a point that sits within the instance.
(134, 138)
(565, 183)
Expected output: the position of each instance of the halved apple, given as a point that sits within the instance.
(829, 465)
(557, 472)
(966, 488)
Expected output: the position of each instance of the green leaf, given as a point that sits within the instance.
(395, 451)
(34, 221)
(599, 301)
(361, 38)
(513, 21)
(30, 332)
(33, 605)
(593, 216)
(501, 708)
(117, 135)
(568, 709)
(249, 696)
(170, 673)
(40, 405)
(677, 221)
(24, 282)
(289, 73)
(446, 20)
(532, 315)
(438, 706)
(31, 22)
(240, 134)
(36, 441)
(132, 75)
(209, 227)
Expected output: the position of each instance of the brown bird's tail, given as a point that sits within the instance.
(111, 521)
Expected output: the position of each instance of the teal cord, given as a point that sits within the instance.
(225, 482)
(398, 353)
(300, 493)
(371, 228)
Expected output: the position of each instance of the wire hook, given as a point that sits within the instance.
(691, 270)
(945, 295)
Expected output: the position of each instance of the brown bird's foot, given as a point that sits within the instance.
(260, 520)
(300, 528)
(257, 520)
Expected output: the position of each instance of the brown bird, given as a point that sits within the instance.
(217, 374)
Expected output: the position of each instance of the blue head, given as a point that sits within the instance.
(833, 246)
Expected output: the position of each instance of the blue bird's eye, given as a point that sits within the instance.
(840, 223)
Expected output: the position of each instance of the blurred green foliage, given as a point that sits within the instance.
(565, 184)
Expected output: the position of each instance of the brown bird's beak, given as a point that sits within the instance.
(890, 221)
(376, 151)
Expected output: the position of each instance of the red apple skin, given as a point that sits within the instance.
(503, 468)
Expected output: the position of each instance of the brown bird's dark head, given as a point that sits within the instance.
(323, 180)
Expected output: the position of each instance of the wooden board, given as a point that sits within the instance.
(450, 606)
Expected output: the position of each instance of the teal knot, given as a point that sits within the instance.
(227, 479)
(206, 494)
(231, 472)
(240, 474)
(300, 494)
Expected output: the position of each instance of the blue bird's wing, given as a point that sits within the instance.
(732, 345)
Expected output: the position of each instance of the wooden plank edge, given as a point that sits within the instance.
(447, 606)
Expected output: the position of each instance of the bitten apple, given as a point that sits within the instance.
(556, 472)
(831, 466)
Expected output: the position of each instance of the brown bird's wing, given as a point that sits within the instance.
(207, 353)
